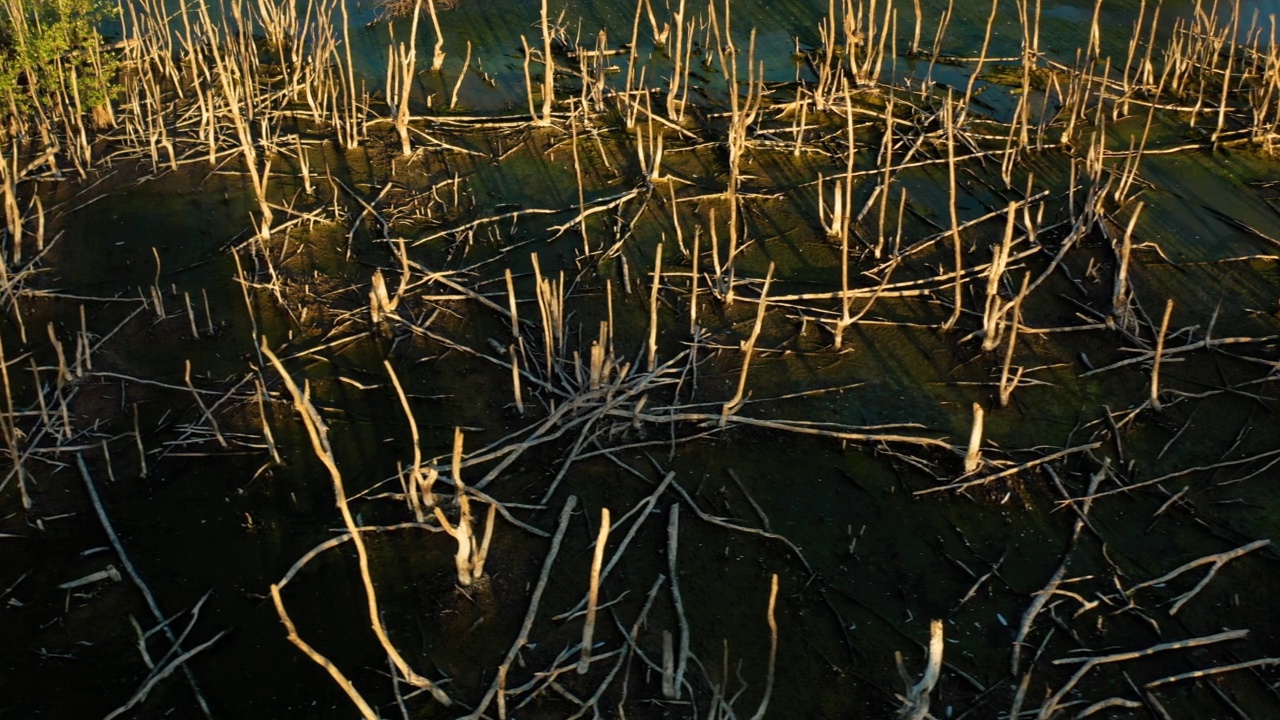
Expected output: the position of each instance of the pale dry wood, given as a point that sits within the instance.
(132, 572)
(673, 543)
(915, 704)
(593, 593)
(498, 688)
(318, 432)
(965, 485)
(1052, 704)
(1217, 560)
(773, 649)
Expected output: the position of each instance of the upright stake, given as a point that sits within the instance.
(548, 80)
(1155, 366)
(736, 401)
(973, 458)
(653, 310)
(588, 628)
(948, 116)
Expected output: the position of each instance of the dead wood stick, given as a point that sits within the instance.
(668, 666)
(1197, 674)
(498, 687)
(1217, 560)
(916, 702)
(419, 484)
(764, 519)
(1008, 385)
(483, 221)
(468, 350)
(135, 577)
(324, 662)
(773, 649)
(1159, 353)
(466, 63)
(462, 531)
(1179, 473)
(1029, 617)
(1050, 706)
(642, 512)
(203, 409)
(337, 540)
(515, 451)
(600, 205)
(162, 673)
(593, 593)
(950, 122)
(1015, 710)
(631, 387)
(8, 428)
(907, 288)
(482, 553)
(229, 394)
(958, 486)
(789, 427)
(611, 452)
(153, 383)
(735, 403)
(1111, 702)
(739, 528)
(673, 542)
(443, 279)
(542, 680)
(443, 144)
(574, 455)
(653, 310)
(332, 344)
(549, 70)
(319, 434)
(973, 456)
(625, 657)
(1189, 347)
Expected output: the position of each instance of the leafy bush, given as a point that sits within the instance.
(42, 41)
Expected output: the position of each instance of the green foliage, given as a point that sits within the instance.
(43, 41)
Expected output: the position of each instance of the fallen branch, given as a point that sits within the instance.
(498, 687)
(1050, 706)
(1217, 559)
(958, 486)
(135, 577)
(319, 434)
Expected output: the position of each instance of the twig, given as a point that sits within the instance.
(319, 659)
(1197, 674)
(593, 594)
(958, 486)
(916, 702)
(773, 649)
(134, 576)
(1050, 706)
(319, 434)
(162, 673)
(498, 687)
(673, 539)
(1217, 559)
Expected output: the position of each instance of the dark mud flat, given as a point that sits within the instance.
(790, 361)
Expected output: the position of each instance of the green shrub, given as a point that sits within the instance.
(42, 41)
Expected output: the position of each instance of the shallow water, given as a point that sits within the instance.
(882, 559)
